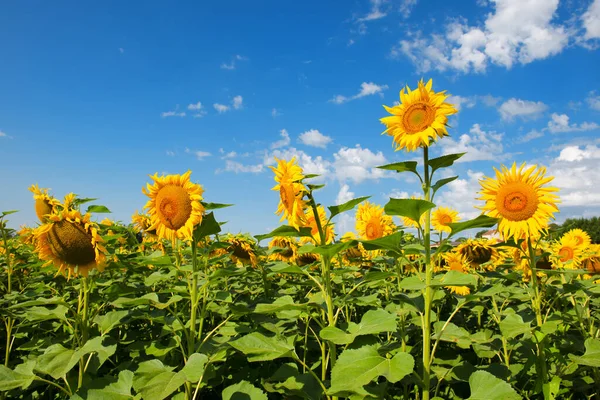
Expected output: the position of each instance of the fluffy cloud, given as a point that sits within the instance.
(534, 134)
(593, 101)
(575, 174)
(478, 144)
(344, 195)
(460, 101)
(366, 89)
(283, 142)
(237, 102)
(314, 138)
(517, 31)
(357, 164)
(231, 65)
(591, 21)
(198, 108)
(221, 108)
(461, 195)
(521, 108)
(560, 123)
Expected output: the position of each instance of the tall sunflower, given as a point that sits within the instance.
(291, 206)
(311, 222)
(420, 118)
(581, 237)
(71, 242)
(441, 217)
(372, 223)
(520, 199)
(174, 206)
(455, 261)
(44, 203)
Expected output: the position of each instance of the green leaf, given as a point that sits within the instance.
(436, 186)
(214, 206)
(443, 161)
(411, 208)
(404, 166)
(243, 390)
(358, 367)
(283, 303)
(372, 322)
(513, 326)
(592, 354)
(258, 347)
(105, 389)
(347, 206)
(194, 367)
(286, 230)
(485, 386)
(453, 333)
(37, 314)
(56, 361)
(482, 221)
(10, 379)
(285, 268)
(455, 278)
(4, 213)
(208, 226)
(552, 388)
(391, 242)
(110, 320)
(97, 209)
(154, 381)
(328, 249)
(311, 186)
(78, 202)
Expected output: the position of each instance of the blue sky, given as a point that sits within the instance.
(94, 97)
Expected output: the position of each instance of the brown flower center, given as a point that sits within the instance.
(71, 243)
(418, 117)
(566, 254)
(517, 201)
(174, 206)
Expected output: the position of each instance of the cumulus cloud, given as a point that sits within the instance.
(283, 142)
(461, 194)
(237, 102)
(518, 31)
(357, 164)
(531, 135)
(521, 108)
(560, 123)
(593, 101)
(460, 101)
(478, 144)
(591, 21)
(221, 108)
(314, 138)
(575, 174)
(366, 89)
(344, 195)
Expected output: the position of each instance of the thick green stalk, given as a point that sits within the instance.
(84, 297)
(9, 322)
(537, 307)
(428, 278)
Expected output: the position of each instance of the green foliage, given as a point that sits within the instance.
(589, 225)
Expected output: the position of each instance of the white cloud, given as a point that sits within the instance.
(231, 154)
(406, 7)
(489, 100)
(575, 174)
(521, 108)
(167, 114)
(591, 21)
(344, 195)
(221, 108)
(237, 167)
(517, 31)
(375, 12)
(317, 165)
(315, 138)
(200, 155)
(283, 142)
(534, 134)
(232, 65)
(398, 194)
(366, 89)
(357, 164)
(478, 144)
(275, 113)
(461, 194)
(459, 101)
(593, 101)
(345, 222)
(560, 123)
(170, 153)
(228, 66)
(195, 107)
(237, 102)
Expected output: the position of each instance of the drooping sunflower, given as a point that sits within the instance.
(372, 223)
(26, 235)
(477, 252)
(287, 248)
(455, 261)
(44, 203)
(71, 242)
(356, 255)
(591, 259)
(566, 253)
(441, 217)
(242, 249)
(520, 199)
(581, 237)
(291, 205)
(174, 206)
(420, 118)
(311, 222)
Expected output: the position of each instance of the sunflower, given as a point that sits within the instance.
(44, 203)
(519, 198)
(420, 117)
(566, 253)
(581, 237)
(311, 222)
(26, 235)
(356, 255)
(455, 261)
(291, 206)
(141, 223)
(71, 242)
(443, 216)
(174, 206)
(372, 223)
(242, 249)
(287, 246)
(591, 259)
(479, 251)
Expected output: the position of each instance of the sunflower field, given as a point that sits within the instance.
(172, 307)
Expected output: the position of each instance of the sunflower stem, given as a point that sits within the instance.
(9, 322)
(537, 307)
(428, 277)
(84, 297)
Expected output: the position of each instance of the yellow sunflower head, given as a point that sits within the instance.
(454, 261)
(372, 223)
(311, 222)
(288, 246)
(477, 252)
(566, 253)
(521, 200)
(420, 118)
(174, 206)
(242, 249)
(44, 203)
(141, 223)
(581, 237)
(591, 259)
(291, 205)
(71, 242)
(26, 235)
(441, 217)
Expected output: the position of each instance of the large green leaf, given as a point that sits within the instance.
(329, 250)
(4, 213)
(258, 347)
(372, 322)
(513, 326)
(214, 206)
(286, 230)
(208, 226)
(411, 208)
(280, 304)
(347, 206)
(38, 314)
(391, 242)
(285, 268)
(194, 367)
(110, 320)
(97, 209)
(404, 166)
(439, 184)
(356, 368)
(482, 221)
(443, 161)
(592, 354)
(455, 278)
(10, 379)
(100, 389)
(155, 381)
(243, 390)
(485, 386)
(452, 333)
